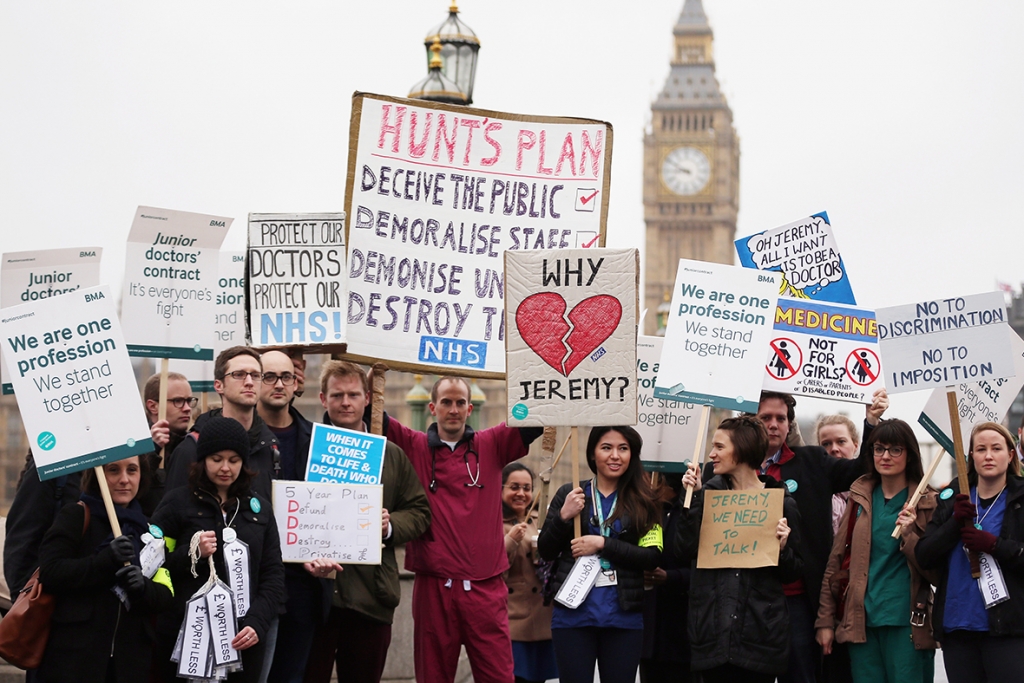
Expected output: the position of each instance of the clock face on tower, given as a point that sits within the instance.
(686, 170)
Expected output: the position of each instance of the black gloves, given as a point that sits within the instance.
(131, 579)
(123, 549)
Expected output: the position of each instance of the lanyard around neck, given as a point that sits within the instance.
(599, 511)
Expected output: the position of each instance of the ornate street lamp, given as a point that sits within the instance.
(458, 54)
(437, 87)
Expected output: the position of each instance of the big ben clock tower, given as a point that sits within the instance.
(691, 166)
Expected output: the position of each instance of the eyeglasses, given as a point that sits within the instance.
(242, 374)
(516, 488)
(271, 378)
(180, 402)
(894, 451)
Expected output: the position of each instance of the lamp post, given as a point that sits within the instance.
(452, 49)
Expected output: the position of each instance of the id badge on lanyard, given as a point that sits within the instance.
(607, 576)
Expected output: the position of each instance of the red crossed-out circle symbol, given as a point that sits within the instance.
(785, 359)
(862, 366)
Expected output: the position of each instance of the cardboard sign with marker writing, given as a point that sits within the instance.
(571, 322)
(339, 522)
(738, 529)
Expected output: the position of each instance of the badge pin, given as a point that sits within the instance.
(229, 535)
(156, 531)
(254, 505)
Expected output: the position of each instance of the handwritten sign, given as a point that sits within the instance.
(170, 276)
(719, 326)
(824, 350)
(944, 342)
(436, 194)
(27, 276)
(977, 402)
(571, 321)
(806, 255)
(344, 456)
(738, 529)
(669, 428)
(297, 291)
(73, 379)
(339, 522)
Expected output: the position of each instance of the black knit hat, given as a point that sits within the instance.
(223, 434)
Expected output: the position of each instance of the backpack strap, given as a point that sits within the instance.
(88, 517)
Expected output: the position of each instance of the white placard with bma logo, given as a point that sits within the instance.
(669, 428)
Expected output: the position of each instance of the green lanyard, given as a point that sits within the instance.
(605, 530)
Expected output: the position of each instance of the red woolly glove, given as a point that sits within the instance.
(977, 540)
(963, 508)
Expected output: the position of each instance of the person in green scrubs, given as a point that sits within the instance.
(886, 618)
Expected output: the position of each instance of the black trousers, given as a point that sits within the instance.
(977, 657)
(616, 651)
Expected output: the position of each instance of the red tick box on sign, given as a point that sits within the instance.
(586, 199)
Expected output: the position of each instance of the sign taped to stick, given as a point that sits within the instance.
(669, 428)
(436, 194)
(738, 529)
(339, 522)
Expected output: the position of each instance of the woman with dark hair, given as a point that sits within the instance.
(529, 619)
(885, 613)
(980, 622)
(738, 621)
(221, 509)
(100, 627)
(620, 522)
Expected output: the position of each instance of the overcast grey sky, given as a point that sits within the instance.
(901, 118)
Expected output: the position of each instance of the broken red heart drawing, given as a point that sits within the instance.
(541, 321)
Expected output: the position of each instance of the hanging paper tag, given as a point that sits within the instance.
(579, 582)
(222, 624)
(152, 557)
(236, 557)
(195, 647)
(606, 578)
(991, 583)
(122, 595)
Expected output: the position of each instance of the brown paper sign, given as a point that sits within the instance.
(738, 529)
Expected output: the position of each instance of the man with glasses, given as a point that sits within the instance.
(238, 378)
(166, 433)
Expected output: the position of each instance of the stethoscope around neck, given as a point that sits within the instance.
(473, 480)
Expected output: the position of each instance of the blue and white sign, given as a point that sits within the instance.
(344, 456)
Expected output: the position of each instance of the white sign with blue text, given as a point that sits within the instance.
(344, 456)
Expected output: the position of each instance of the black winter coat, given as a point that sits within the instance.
(628, 558)
(739, 616)
(942, 537)
(89, 624)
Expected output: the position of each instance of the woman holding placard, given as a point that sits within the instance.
(738, 621)
(100, 626)
(529, 619)
(230, 520)
(601, 574)
(874, 596)
(980, 622)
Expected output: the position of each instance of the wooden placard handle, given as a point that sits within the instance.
(377, 383)
(961, 466)
(161, 411)
(574, 436)
(920, 488)
(698, 449)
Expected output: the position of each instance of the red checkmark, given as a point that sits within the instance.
(587, 245)
(586, 200)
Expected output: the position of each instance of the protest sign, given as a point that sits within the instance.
(738, 529)
(806, 255)
(669, 428)
(944, 342)
(343, 456)
(571, 325)
(228, 320)
(719, 327)
(33, 275)
(170, 276)
(297, 291)
(824, 350)
(977, 402)
(339, 522)
(76, 390)
(436, 194)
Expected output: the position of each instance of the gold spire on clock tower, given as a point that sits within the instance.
(691, 165)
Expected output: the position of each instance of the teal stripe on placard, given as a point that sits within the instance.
(671, 394)
(84, 462)
(8, 388)
(201, 386)
(937, 434)
(169, 352)
(679, 467)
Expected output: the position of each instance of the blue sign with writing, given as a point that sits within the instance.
(343, 456)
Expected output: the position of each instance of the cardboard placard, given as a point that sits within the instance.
(27, 276)
(669, 428)
(436, 194)
(170, 276)
(340, 522)
(571, 336)
(977, 402)
(824, 350)
(344, 456)
(738, 529)
(806, 255)
(228, 321)
(719, 327)
(944, 342)
(73, 379)
(297, 284)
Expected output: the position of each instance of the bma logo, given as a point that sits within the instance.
(236, 258)
(218, 224)
(86, 254)
(444, 351)
(93, 297)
